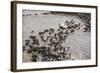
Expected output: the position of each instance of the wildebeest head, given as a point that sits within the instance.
(32, 31)
(41, 33)
(46, 30)
(32, 37)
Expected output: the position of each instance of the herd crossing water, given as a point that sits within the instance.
(55, 38)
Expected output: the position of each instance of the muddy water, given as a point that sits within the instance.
(79, 41)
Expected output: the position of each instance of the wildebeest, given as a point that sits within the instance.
(71, 30)
(51, 43)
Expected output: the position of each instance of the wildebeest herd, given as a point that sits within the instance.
(50, 44)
